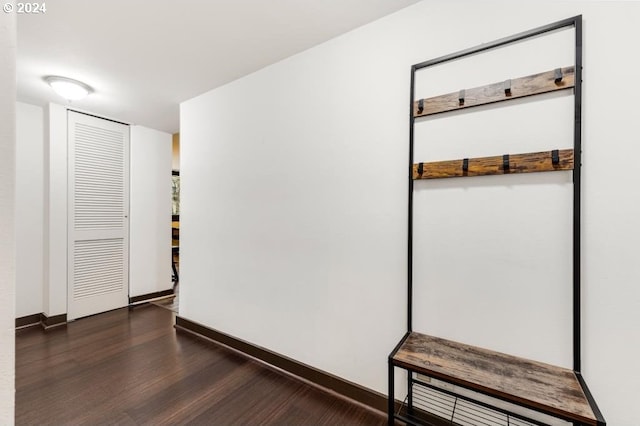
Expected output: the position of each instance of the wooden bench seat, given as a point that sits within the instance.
(539, 386)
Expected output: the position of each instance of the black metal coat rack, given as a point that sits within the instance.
(455, 363)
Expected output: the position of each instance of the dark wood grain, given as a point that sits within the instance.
(518, 163)
(535, 84)
(533, 384)
(130, 367)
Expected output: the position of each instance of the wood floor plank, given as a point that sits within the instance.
(131, 367)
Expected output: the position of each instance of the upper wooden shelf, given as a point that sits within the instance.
(532, 384)
(535, 84)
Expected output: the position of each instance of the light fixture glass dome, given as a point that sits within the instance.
(68, 88)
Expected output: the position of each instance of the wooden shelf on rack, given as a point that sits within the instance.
(535, 84)
(518, 163)
(532, 384)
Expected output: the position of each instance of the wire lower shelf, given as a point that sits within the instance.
(437, 403)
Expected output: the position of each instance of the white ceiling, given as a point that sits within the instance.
(144, 57)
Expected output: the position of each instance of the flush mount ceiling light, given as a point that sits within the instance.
(71, 90)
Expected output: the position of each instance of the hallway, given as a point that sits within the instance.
(131, 367)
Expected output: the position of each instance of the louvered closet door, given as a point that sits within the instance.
(98, 215)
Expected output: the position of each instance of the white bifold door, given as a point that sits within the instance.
(98, 225)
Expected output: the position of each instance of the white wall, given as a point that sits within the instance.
(292, 221)
(293, 227)
(29, 205)
(611, 300)
(55, 214)
(7, 201)
(150, 211)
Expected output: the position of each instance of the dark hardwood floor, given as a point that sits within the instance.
(131, 367)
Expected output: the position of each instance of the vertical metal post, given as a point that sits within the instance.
(410, 393)
(410, 209)
(577, 147)
(391, 399)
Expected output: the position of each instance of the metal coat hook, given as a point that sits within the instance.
(461, 97)
(420, 106)
(507, 87)
(505, 162)
(558, 75)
